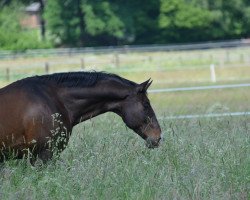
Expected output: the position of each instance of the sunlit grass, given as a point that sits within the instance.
(162, 79)
(166, 68)
(199, 159)
(202, 102)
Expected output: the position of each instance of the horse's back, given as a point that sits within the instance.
(24, 112)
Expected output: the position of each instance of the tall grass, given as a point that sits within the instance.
(199, 159)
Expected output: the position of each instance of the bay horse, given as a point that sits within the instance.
(38, 113)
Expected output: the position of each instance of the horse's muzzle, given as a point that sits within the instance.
(152, 142)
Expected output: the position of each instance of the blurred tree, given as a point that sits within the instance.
(4, 3)
(76, 22)
(183, 21)
(198, 20)
(103, 22)
(61, 21)
(246, 21)
(12, 35)
(225, 18)
(9, 26)
(8, 2)
(114, 22)
(42, 20)
(145, 21)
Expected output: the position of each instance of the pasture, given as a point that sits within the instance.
(166, 68)
(203, 158)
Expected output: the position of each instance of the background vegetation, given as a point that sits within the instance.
(203, 158)
(116, 22)
(199, 159)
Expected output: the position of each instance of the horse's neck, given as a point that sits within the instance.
(85, 103)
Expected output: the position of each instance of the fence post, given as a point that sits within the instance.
(82, 64)
(46, 68)
(200, 57)
(222, 62)
(117, 61)
(125, 49)
(180, 60)
(150, 59)
(241, 58)
(212, 73)
(227, 56)
(211, 58)
(69, 52)
(7, 74)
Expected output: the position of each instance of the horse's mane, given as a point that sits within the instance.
(80, 79)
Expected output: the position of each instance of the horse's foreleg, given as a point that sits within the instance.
(50, 135)
(45, 155)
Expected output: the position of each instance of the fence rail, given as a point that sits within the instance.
(210, 87)
(210, 115)
(209, 63)
(124, 49)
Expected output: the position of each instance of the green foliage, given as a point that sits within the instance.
(114, 22)
(227, 18)
(191, 20)
(145, 20)
(101, 18)
(181, 20)
(246, 20)
(200, 159)
(13, 36)
(61, 22)
(65, 19)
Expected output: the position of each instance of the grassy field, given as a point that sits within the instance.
(166, 68)
(207, 158)
(202, 102)
(199, 159)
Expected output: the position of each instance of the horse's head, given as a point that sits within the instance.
(138, 115)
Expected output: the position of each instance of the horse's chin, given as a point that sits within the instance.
(151, 145)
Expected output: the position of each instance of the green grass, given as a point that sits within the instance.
(199, 159)
(166, 68)
(162, 79)
(202, 102)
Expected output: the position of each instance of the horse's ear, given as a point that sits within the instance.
(144, 86)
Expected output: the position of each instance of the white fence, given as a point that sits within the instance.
(124, 49)
(210, 115)
(210, 87)
(155, 58)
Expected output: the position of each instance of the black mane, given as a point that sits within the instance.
(80, 79)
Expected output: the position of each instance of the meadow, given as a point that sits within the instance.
(199, 159)
(203, 158)
(166, 68)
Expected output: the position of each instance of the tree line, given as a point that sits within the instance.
(118, 22)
